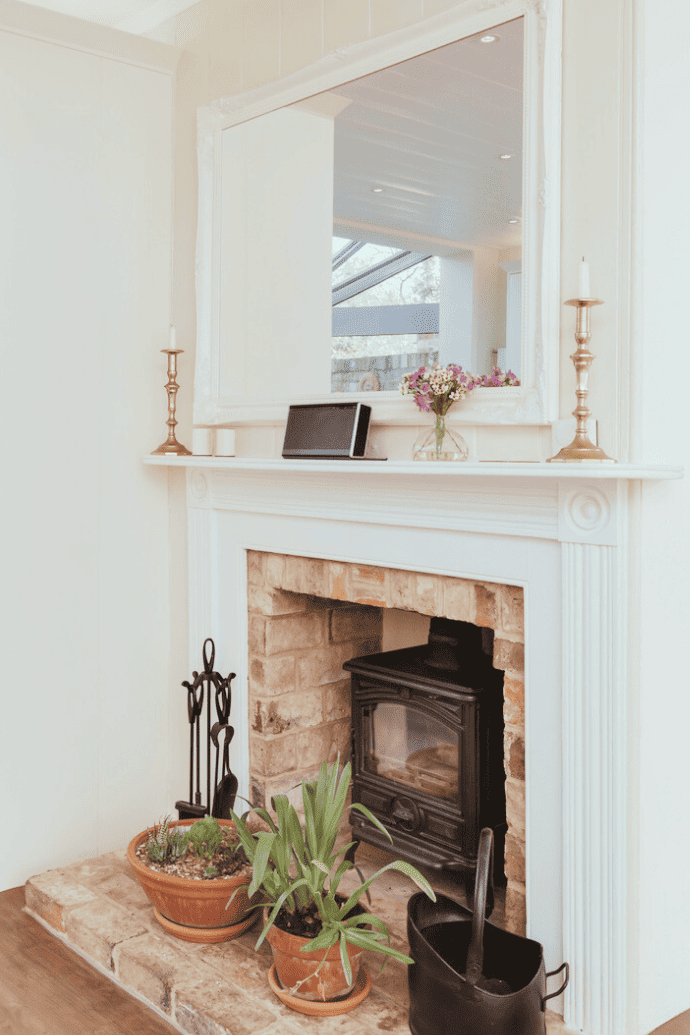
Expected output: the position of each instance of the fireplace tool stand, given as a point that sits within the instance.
(204, 685)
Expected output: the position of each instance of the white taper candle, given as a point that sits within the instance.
(583, 288)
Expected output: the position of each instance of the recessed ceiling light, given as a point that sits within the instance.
(488, 37)
(513, 220)
(377, 190)
(506, 157)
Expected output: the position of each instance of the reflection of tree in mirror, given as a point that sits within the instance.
(407, 281)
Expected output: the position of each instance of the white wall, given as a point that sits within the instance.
(662, 605)
(85, 206)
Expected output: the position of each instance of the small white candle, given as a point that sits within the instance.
(583, 289)
(173, 337)
(202, 441)
(225, 442)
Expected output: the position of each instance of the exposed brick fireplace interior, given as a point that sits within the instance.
(309, 616)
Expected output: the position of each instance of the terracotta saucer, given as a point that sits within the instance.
(316, 1008)
(203, 935)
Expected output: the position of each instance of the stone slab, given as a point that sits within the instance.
(102, 868)
(218, 1007)
(97, 927)
(150, 966)
(53, 895)
(241, 963)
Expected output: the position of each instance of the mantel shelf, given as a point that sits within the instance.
(421, 469)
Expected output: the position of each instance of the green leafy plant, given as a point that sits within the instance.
(205, 836)
(165, 843)
(318, 868)
(210, 872)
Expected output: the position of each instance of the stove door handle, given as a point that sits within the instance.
(406, 813)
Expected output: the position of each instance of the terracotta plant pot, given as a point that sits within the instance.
(193, 910)
(296, 970)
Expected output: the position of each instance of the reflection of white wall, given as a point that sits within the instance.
(481, 309)
(489, 309)
(509, 357)
(455, 318)
(513, 321)
(277, 218)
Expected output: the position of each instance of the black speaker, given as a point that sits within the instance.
(327, 431)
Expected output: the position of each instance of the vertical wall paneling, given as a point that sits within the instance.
(85, 206)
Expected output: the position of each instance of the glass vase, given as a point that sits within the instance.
(439, 443)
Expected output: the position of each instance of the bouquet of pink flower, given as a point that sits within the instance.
(497, 379)
(437, 389)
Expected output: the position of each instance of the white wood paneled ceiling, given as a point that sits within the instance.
(430, 131)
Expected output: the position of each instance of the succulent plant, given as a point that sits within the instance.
(205, 836)
(165, 843)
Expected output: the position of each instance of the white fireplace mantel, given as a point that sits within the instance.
(395, 468)
(567, 503)
(562, 533)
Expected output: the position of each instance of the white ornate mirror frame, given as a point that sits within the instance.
(536, 401)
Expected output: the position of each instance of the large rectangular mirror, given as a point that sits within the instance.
(359, 222)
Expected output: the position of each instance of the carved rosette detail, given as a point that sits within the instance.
(589, 511)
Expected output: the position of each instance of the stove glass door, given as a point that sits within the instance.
(411, 748)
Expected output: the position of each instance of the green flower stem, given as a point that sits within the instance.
(440, 431)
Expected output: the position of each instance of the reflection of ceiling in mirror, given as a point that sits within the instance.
(430, 132)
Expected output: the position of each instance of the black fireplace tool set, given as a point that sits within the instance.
(203, 687)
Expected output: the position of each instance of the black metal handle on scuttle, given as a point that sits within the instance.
(552, 973)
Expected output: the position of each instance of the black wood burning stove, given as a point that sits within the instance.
(427, 746)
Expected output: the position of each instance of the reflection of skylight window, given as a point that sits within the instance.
(363, 258)
(372, 274)
(385, 304)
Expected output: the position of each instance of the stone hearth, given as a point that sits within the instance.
(308, 616)
(98, 910)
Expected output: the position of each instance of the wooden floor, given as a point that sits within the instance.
(45, 989)
(678, 1026)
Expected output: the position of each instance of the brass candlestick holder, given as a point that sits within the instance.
(581, 449)
(171, 447)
